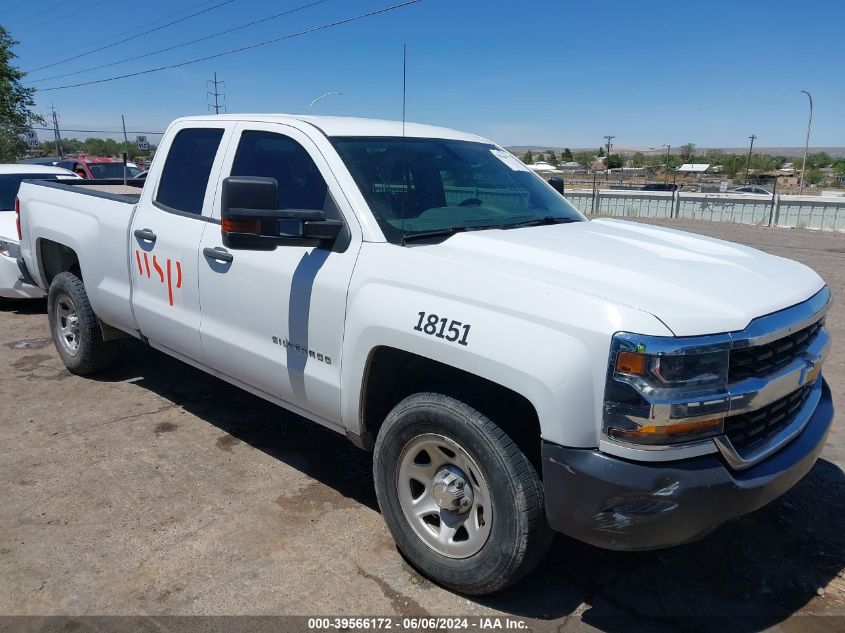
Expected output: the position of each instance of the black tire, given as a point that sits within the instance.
(92, 353)
(519, 536)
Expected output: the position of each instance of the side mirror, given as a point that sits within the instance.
(250, 220)
(557, 184)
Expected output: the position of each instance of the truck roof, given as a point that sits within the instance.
(349, 126)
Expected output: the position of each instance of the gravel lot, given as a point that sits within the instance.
(159, 490)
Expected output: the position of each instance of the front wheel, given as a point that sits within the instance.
(75, 329)
(462, 501)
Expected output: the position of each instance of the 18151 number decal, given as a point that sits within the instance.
(441, 327)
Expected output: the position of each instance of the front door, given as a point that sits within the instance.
(165, 236)
(275, 319)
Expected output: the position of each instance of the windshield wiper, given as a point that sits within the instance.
(461, 229)
(540, 222)
(447, 232)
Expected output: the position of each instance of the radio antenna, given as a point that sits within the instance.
(404, 159)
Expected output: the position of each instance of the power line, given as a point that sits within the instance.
(183, 44)
(67, 129)
(16, 6)
(158, 28)
(239, 50)
(65, 16)
(38, 13)
(121, 33)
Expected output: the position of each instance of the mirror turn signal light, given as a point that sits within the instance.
(632, 363)
(240, 226)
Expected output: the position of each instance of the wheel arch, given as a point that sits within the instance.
(392, 374)
(55, 258)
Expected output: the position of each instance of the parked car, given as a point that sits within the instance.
(43, 160)
(756, 189)
(11, 285)
(515, 367)
(99, 167)
(659, 186)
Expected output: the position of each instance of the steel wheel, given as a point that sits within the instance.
(67, 324)
(444, 496)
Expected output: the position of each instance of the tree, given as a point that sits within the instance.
(585, 159)
(528, 159)
(818, 159)
(566, 156)
(16, 103)
(614, 161)
(601, 152)
(638, 159)
(814, 176)
(541, 157)
(551, 158)
(687, 152)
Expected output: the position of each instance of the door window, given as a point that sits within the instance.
(270, 155)
(184, 178)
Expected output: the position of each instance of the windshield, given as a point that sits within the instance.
(419, 185)
(10, 183)
(112, 170)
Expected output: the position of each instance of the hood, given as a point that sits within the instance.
(8, 227)
(693, 284)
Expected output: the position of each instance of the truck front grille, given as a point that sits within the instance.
(747, 429)
(762, 360)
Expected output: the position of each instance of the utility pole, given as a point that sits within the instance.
(748, 161)
(806, 143)
(56, 134)
(125, 148)
(609, 138)
(216, 94)
(666, 178)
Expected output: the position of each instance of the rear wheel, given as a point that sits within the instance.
(75, 328)
(462, 501)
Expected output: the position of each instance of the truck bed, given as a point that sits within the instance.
(91, 220)
(110, 189)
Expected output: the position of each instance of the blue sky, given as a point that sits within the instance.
(547, 72)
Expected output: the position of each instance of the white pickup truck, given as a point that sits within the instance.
(516, 368)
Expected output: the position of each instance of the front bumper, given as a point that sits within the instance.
(618, 504)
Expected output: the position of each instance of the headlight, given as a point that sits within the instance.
(10, 249)
(664, 390)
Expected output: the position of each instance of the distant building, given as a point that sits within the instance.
(570, 166)
(541, 166)
(693, 168)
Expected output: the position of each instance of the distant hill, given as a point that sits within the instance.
(775, 151)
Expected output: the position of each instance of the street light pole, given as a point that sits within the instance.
(748, 162)
(666, 177)
(311, 105)
(806, 143)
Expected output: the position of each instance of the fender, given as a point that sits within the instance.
(534, 349)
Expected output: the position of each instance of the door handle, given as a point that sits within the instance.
(145, 234)
(219, 254)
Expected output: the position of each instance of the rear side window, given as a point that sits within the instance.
(188, 166)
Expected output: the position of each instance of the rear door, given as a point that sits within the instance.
(275, 319)
(165, 236)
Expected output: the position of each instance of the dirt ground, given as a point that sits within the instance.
(160, 490)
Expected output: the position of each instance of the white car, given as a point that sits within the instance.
(515, 367)
(11, 285)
